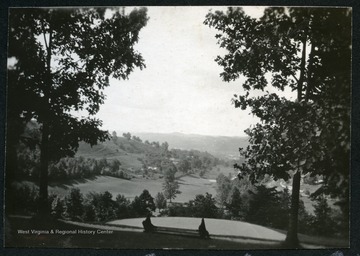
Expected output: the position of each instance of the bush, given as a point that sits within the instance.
(160, 201)
(323, 222)
(123, 207)
(269, 207)
(204, 206)
(100, 207)
(143, 204)
(235, 206)
(57, 206)
(74, 204)
(89, 213)
(178, 210)
(22, 199)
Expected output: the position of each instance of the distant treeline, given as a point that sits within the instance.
(67, 168)
(156, 154)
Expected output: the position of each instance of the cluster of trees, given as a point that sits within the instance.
(160, 156)
(156, 155)
(259, 204)
(306, 50)
(193, 161)
(92, 207)
(101, 207)
(128, 136)
(66, 168)
(202, 206)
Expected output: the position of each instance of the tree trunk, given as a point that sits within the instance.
(44, 147)
(44, 164)
(302, 70)
(310, 78)
(292, 240)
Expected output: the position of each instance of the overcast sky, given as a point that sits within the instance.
(180, 90)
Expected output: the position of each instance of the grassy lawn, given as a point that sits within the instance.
(190, 186)
(116, 240)
(136, 239)
(215, 171)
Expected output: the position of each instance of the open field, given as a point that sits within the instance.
(111, 151)
(215, 171)
(190, 186)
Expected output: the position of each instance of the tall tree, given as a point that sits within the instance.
(170, 185)
(160, 201)
(223, 189)
(307, 50)
(235, 204)
(114, 137)
(63, 59)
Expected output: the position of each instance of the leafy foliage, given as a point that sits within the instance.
(160, 201)
(299, 49)
(223, 189)
(74, 204)
(170, 185)
(25, 200)
(143, 204)
(323, 217)
(123, 207)
(64, 58)
(204, 206)
(235, 205)
(267, 208)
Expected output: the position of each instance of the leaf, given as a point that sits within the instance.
(302, 162)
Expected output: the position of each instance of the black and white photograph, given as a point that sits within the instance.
(178, 127)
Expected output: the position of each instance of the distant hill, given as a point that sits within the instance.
(135, 153)
(221, 146)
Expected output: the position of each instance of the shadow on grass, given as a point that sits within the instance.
(334, 242)
(65, 184)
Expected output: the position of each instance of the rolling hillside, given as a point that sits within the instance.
(220, 146)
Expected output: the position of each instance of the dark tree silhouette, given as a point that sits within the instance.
(307, 50)
(144, 204)
(63, 61)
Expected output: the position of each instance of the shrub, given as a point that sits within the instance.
(89, 213)
(160, 201)
(268, 207)
(204, 206)
(123, 207)
(100, 207)
(178, 210)
(22, 199)
(74, 204)
(235, 205)
(323, 223)
(143, 204)
(57, 207)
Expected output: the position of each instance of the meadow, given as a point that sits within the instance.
(190, 186)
